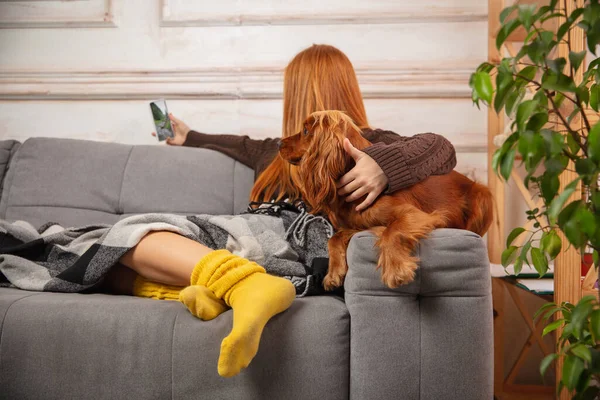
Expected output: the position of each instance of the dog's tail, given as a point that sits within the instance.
(481, 209)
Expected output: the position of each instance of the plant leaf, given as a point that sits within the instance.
(546, 362)
(518, 265)
(576, 58)
(496, 160)
(508, 255)
(524, 252)
(585, 166)
(524, 111)
(557, 65)
(543, 308)
(593, 143)
(482, 84)
(506, 12)
(526, 14)
(552, 326)
(558, 203)
(549, 186)
(585, 220)
(505, 31)
(593, 37)
(580, 315)
(573, 145)
(595, 324)
(594, 96)
(569, 223)
(537, 121)
(562, 29)
(572, 369)
(556, 166)
(540, 263)
(552, 312)
(560, 82)
(551, 244)
(583, 92)
(554, 142)
(513, 235)
(507, 164)
(527, 73)
(582, 351)
(504, 85)
(513, 99)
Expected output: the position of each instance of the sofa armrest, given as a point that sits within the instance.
(432, 338)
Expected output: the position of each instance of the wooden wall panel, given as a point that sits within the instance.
(220, 64)
(33, 14)
(312, 12)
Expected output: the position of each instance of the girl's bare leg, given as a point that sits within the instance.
(243, 285)
(165, 257)
(118, 280)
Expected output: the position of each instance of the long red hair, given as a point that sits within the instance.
(318, 78)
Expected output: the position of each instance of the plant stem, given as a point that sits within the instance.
(571, 157)
(573, 133)
(582, 111)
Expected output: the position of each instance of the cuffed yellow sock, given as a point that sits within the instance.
(199, 300)
(254, 296)
(142, 287)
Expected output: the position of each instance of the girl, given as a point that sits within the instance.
(165, 265)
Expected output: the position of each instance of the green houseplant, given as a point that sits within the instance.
(546, 150)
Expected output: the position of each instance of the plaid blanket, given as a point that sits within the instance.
(284, 239)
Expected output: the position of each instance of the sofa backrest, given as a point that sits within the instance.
(77, 182)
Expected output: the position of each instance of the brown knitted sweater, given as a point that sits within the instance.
(405, 160)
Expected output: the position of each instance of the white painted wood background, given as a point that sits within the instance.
(87, 68)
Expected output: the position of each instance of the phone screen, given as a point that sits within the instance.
(162, 122)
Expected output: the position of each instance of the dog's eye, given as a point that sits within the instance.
(305, 131)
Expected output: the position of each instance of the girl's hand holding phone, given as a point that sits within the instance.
(180, 129)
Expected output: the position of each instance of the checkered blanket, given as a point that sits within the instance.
(284, 239)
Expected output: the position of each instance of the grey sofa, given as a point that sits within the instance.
(431, 339)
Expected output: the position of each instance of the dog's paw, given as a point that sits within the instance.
(396, 269)
(395, 277)
(332, 281)
(397, 266)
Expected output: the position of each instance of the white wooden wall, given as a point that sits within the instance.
(87, 68)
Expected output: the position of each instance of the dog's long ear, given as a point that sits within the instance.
(355, 136)
(322, 165)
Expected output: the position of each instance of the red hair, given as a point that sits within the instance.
(318, 78)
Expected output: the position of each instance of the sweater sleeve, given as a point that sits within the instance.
(250, 152)
(410, 160)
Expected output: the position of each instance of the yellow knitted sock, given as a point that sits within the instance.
(254, 296)
(142, 287)
(198, 299)
(201, 302)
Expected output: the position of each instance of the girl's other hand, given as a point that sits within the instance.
(365, 179)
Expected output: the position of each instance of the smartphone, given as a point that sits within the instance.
(162, 122)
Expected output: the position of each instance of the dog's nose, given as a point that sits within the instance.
(279, 143)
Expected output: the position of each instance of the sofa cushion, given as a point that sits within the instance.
(76, 182)
(97, 346)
